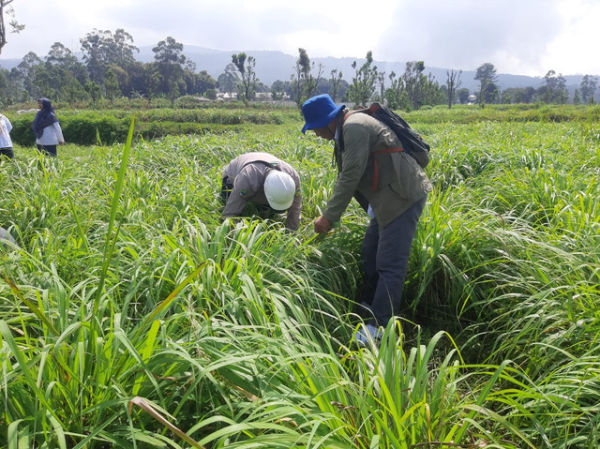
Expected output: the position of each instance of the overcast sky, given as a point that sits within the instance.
(527, 37)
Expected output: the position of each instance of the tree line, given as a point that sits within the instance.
(108, 70)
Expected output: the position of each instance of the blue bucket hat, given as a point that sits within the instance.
(319, 111)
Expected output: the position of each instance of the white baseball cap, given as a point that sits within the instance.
(280, 190)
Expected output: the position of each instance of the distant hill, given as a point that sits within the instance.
(275, 65)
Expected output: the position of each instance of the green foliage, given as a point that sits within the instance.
(111, 126)
(245, 66)
(129, 299)
(304, 82)
(362, 87)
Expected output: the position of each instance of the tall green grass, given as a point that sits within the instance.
(131, 314)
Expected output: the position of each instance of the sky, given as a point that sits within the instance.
(521, 37)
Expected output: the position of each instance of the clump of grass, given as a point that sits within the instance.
(127, 284)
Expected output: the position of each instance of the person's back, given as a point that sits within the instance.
(245, 181)
(236, 165)
(391, 181)
(47, 130)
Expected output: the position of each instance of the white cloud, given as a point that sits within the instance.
(517, 36)
(511, 34)
(575, 49)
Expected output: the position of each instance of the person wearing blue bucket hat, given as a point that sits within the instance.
(319, 111)
(374, 169)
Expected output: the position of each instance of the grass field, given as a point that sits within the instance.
(132, 316)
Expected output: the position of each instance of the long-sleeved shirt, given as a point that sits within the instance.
(401, 181)
(248, 180)
(52, 135)
(5, 128)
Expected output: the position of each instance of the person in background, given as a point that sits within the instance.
(269, 183)
(393, 189)
(6, 146)
(46, 128)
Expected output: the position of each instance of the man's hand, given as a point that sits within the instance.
(322, 225)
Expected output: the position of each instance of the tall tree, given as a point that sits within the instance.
(95, 54)
(420, 89)
(111, 85)
(452, 83)
(245, 65)
(555, 89)
(198, 83)
(396, 95)
(463, 95)
(27, 71)
(335, 83)
(170, 60)
(588, 88)
(8, 11)
(229, 79)
(304, 83)
(122, 49)
(381, 84)
(62, 57)
(281, 89)
(518, 95)
(101, 48)
(486, 75)
(364, 81)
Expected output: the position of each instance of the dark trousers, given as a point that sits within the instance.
(385, 261)
(49, 150)
(226, 188)
(8, 152)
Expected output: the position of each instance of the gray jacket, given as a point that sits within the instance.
(401, 181)
(248, 179)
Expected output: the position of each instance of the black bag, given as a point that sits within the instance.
(412, 143)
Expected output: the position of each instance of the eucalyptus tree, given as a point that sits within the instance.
(7, 94)
(463, 95)
(364, 81)
(27, 69)
(279, 90)
(452, 83)
(61, 76)
(486, 75)
(198, 83)
(335, 83)
(229, 79)
(62, 57)
(245, 65)
(304, 83)
(101, 48)
(396, 95)
(420, 89)
(588, 88)
(170, 62)
(554, 90)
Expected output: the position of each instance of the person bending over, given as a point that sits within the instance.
(265, 181)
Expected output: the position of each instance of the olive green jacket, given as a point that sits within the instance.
(401, 181)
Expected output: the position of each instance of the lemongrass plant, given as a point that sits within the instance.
(131, 314)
